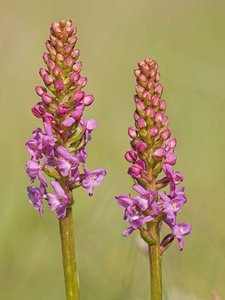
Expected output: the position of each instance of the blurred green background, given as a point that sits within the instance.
(187, 40)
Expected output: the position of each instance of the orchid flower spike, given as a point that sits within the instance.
(152, 153)
(59, 151)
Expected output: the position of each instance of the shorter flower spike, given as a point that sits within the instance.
(152, 153)
(60, 150)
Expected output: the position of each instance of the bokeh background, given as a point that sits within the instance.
(187, 40)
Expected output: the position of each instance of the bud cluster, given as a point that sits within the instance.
(62, 145)
(152, 152)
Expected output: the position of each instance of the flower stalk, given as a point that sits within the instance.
(155, 262)
(151, 155)
(68, 255)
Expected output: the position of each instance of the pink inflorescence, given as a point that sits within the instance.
(60, 149)
(152, 152)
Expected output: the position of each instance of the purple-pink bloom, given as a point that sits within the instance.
(89, 124)
(35, 196)
(34, 169)
(171, 206)
(135, 170)
(175, 178)
(125, 202)
(179, 230)
(136, 222)
(67, 162)
(92, 179)
(146, 199)
(58, 201)
(33, 149)
(170, 157)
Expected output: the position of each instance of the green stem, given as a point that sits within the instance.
(68, 254)
(155, 262)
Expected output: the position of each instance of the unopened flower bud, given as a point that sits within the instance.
(68, 62)
(59, 59)
(141, 122)
(152, 73)
(165, 134)
(162, 105)
(59, 86)
(40, 90)
(157, 77)
(46, 57)
(158, 89)
(48, 44)
(77, 67)
(136, 170)
(140, 64)
(133, 145)
(72, 41)
(38, 110)
(151, 86)
(156, 102)
(142, 79)
(63, 23)
(132, 132)
(145, 70)
(137, 72)
(158, 118)
(75, 54)
(140, 108)
(62, 110)
(166, 242)
(57, 72)
(42, 72)
(148, 60)
(136, 115)
(56, 29)
(136, 98)
(81, 83)
(159, 153)
(140, 90)
(154, 131)
(150, 112)
(78, 96)
(67, 50)
(74, 77)
(64, 37)
(147, 98)
(165, 121)
(69, 31)
(131, 156)
(48, 117)
(59, 46)
(171, 143)
(47, 79)
(46, 98)
(162, 183)
(50, 64)
(141, 146)
(152, 63)
(88, 99)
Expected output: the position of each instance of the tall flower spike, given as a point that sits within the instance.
(59, 151)
(152, 153)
